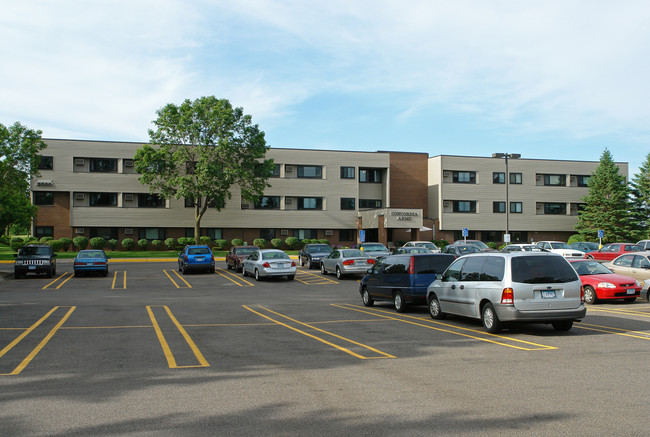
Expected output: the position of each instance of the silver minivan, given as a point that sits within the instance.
(535, 287)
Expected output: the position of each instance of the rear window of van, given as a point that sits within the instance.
(542, 270)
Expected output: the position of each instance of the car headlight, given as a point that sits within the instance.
(606, 285)
(19, 262)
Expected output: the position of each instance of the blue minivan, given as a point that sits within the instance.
(403, 279)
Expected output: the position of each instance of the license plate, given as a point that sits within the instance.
(631, 291)
(89, 264)
(280, 265)
(32, 267)
(199, 259)
(548, 294)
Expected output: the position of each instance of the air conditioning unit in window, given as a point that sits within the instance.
(128, 163)
(80, 161)
(540, 206)
(79, 196)
(128, 231)
(284, 232)
(445, 174)
(288, 168)
(128, 197)
(446, 204)
(245, 206)
(79, 230)
(329, 232)
(288, 200)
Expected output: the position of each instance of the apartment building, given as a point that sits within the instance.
(544, 197)
(90, 188)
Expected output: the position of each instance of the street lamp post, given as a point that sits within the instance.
(507, 156)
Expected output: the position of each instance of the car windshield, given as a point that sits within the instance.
(542, 270)
(469, 249)
(377, 246)
(246, 250)
(531, 248)
(560, 246)
(417, 250)
(321, 248)
(275, 255)
(427, 244)
(590, 268)
(352, 253)
(34, 250)
(198, 251)
(480, 244)
(90, 254)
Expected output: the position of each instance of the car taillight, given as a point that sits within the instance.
(371, 261)
(78, 263)
(186, 258)
(412, 266)
(266, 264)
(348, 262)
(211, 257)
(100, 263)
(507, 296)
(293, 263)
(582, 293)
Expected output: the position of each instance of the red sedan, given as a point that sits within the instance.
(600, 283)
(613, 250)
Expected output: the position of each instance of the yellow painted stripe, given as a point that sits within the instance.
(42, 344)
(188, 339)
(27, 332)
(612, 330)
(66, 280)
(114, 279)
(170, 278)
(182, 279)
(171, 362)
(617, 311)
(237, 279)
(319, 277)
(55, 280)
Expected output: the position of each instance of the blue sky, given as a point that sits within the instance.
(546, 79)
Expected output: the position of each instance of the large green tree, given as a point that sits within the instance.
(608, 205)
(640, 186)
(19, 159)
(199, 150)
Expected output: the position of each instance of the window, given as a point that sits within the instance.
(472, 268)
(347, 203)
(369, 203)
(516, 207)
(43, 231)
(310, 171)
(213, 233)
(465, 206)
(464, 177)
(189, 203)
(103, 199)
(493, 269)
(105, 233)
(498, 178)
(46, 163)
(555, 208)
(102, 165)
(276, 171)
(370, 175)
(43, 198)
(305, 234)
(151, 233)
(310, 203)
(347, 234)
(499, 207)
(268, 202)
(146, 200)
(267, 234)
(347, 172)
(582, 180)
(515, 178)
(555, 179)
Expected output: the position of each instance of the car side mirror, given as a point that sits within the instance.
(371, 270)
(438, 276)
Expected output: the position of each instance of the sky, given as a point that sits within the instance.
(552, 79)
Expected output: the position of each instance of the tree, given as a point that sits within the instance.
(19, 159)
(640, 186)
(608, 205)
(199, 151)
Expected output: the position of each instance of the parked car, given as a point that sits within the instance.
(413, 250)
(534, 287)
(403, 279)
(636, 265)
(427, 244)
(91, 260)
(374, 250)
(613, 250)
(644, 244)
(600, 283)
(481, 245)
(346, 262)
(312, 254)
(196, 257)
(585, 246)
(35, 258)
(236, 255)
(517, 247)
(461, 249)
(561, 248)
(265, 263)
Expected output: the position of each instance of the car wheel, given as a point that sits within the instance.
(213, 269)
(434, 308)
(562, 325)
(398, 301)
(290, 277)
(76, 274)
(338, 273)
(302, 262)
(228, 266)
(184, 269)
(630, 299)
(257, 275)
(366, 299)
(180, 269)
(105, 273)
(54, 271)
(490, 319)
(590, 295)
(322, 269)
(243, 271)
(49, 273)
(17, 275)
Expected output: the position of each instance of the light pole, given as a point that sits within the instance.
(507, 178)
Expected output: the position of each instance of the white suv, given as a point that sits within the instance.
(561, 248)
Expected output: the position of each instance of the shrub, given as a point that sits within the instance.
(441, 243)
(143, 243)
(237, 242)
(112, 243)
(292, 242)
(97, 243)
(492, 244)
(220, 244)
(4, 239)
(577, 238)
(44, 240)
(206, 240)
(128, 243)
(184, 241)
(66, 242)
(170, 243)
(80, 243)
(259, 242)
(277, 243)
(16, 243)
(323, 241)
(157, 244)
(56, 245)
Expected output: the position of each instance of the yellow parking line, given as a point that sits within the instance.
(621, 311)
(321, 278)
(402, 318)
(26, 333)
(341, 348)
(612, 330)
(115, 280)
(174, 282)
(57, 279)
(226, 274)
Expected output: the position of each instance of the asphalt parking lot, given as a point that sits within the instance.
(148, 351)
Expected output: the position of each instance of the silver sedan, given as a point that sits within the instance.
(346, 262)
(268, 262)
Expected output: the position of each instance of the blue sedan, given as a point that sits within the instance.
(91, 261)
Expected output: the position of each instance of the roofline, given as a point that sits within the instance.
(522, 159)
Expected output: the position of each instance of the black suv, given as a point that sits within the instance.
(35, 258)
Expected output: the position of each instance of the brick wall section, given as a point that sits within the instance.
(409, 173)
(57, 215)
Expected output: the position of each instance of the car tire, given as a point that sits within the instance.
(398, 301)
(243, 271)
(366, 299)
(302, 262)
(76, 274)
(590, 295)
(290, 277)
(490, 319)
(180, 269)
(630, 299)
(562, 325)
(184, 270)
(339, 275)
(228, 266)
(434, 308)
(105, 273)
(17, 275)
(54, 271)
(212, 269)
(322, 269)
(49, 273)
(257, 275)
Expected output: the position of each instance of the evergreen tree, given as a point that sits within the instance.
(640, 186)
(608, 205)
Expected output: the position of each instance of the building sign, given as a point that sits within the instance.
(403, 218)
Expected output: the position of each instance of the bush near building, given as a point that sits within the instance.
(143, 243)
(80, 243)
(186, 241)
(221, 244)
(259, 242)
(66, 243)
(56, 245)
(277, 243)
(237, 242)
(97, 243)
(170, 243)
(112, 243)
(157, 244)
(293, 243)
(16, 243)
(128, 244)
